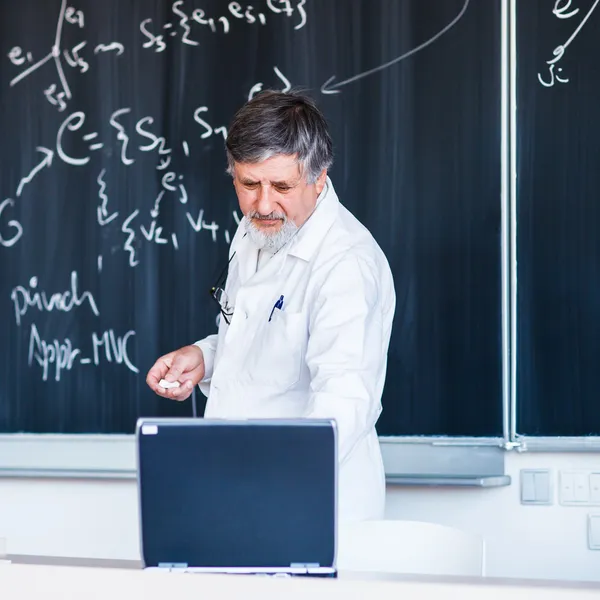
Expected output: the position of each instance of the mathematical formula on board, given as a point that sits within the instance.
(129, 139)
(187, 29)
(140, 138)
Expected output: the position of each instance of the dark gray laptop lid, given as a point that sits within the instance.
(234, 494)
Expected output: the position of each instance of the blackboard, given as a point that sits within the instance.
(116, 211)
(558, 218)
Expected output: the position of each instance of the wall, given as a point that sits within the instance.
(99, 519)
(546, 542)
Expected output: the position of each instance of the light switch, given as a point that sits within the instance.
(595, 488)
(594, 532)
(535, 486)
(527, 487)
(542, 487)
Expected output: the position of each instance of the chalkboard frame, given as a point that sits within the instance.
(525, 443)
(110, 456)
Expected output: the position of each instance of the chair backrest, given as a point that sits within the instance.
(409, 547)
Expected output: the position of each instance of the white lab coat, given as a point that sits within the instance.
(323, 355)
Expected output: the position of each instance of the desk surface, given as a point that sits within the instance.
(29, 577)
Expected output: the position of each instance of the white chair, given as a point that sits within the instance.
(409, 547)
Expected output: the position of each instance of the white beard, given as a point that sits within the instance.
(271, 242)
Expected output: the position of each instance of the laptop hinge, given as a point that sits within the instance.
(305, 565)
(165, 565)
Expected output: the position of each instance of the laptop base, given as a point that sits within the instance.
(327, 572)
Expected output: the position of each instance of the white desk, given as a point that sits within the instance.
(45, 577)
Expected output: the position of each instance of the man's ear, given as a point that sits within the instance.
(321, 179)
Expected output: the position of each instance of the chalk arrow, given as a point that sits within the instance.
(46, 162)
(329, 87)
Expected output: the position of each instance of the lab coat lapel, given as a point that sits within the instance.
(247, 256)
(313, 232)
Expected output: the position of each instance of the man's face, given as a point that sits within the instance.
(275, 191)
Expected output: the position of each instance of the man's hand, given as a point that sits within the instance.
(185, 365)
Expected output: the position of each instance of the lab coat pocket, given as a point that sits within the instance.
(279, 351)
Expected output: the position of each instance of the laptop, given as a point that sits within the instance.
(251, 496)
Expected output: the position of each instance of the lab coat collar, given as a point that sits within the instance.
(311, 234)
(247, 257)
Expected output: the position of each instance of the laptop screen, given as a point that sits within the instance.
(237, 494)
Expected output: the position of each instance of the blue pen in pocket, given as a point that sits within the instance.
(278, 305)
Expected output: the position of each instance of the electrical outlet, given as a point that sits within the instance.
(594, 532)
(574, 488)
(579, 488)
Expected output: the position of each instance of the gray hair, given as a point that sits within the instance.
(275, 123)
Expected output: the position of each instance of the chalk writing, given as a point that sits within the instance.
(121, 135)
(59, 94)
(57, 356)
(329, 87)
(46, 162)
(168, 217)
(74, 123)
(24, 298)
(189, 25)
(562, 10)
(287, 86)
(102, 211)
(130, 233)
(11, 224)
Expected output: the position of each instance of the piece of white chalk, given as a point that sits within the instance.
(168, 384)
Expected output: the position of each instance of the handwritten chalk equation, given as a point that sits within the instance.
(59, 93)
(129, 135)
(54, 357)
(182, 27)
(153, 233)
(122, 124)
(147, 141)
(187, 27)
(140, 227)
(562, 10)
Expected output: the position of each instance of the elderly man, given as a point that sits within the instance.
(308, 302)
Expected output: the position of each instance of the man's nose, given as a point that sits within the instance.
(264, 200)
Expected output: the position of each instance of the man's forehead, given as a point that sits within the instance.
(276, 168)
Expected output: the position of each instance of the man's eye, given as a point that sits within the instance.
(251, 186)
(282, 188)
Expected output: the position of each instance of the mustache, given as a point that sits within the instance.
(270, 217)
